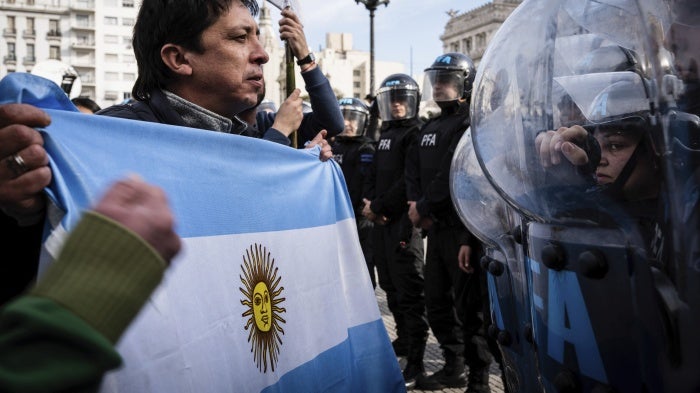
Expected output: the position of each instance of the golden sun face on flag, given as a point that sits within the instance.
(262, 295)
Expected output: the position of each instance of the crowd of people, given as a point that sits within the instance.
(396, 166)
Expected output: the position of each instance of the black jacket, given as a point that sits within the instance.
(428, 165)
(386, 185)
(354, 155)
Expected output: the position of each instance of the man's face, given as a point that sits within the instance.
(350, 127)
(445, 90)
(227, 76)
(398, 109)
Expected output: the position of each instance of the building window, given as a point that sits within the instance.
(30, 2)
(127, 95)
(129, 76)
(54, 28)
(454, 47)
(129, 59)
(128, 3)
(481, 40)
(467, 45)
(127, 21)
(10, 29)
(30, 58)
(111, 39)
(82, 20)
(356, 85)
(111, 76)
(11, 55)
(111, 58)
(30, 27)
(356, 73)
(111, 20)
(54, 52)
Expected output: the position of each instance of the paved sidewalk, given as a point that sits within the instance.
(433, 356)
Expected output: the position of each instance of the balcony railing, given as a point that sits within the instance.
(10, 59)
(9, 32)
(29, 33)
(53, 35)
(27, 60)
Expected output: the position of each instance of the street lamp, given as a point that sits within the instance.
(371, 5)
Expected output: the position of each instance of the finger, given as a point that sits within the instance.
(26, 187)
(555, 148)
(544, 148)
(574, 134)
(23, 161)
(574, 154)
(28, 115)
(16, 137)
(289, 13)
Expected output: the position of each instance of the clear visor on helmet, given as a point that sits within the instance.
(598, 98)
(355, 122)
(445, 85)
(397, 104)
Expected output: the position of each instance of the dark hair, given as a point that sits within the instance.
(180, 22)
(86, 102)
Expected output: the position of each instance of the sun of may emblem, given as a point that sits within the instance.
(262, 295)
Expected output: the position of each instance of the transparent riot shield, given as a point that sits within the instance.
(584, 123)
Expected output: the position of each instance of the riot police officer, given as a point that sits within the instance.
(453, 296)
(605, 187)
(353, 150)
(397, 246)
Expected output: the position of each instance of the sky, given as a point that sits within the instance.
(405, 31)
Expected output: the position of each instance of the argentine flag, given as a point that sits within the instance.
(270, 292)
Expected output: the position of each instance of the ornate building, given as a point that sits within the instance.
(471, 31)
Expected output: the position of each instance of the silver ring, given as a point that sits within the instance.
(15, 163)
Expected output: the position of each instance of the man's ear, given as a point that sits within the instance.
(174, 57)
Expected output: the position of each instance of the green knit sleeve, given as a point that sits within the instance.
(104, 274)
(46, 348)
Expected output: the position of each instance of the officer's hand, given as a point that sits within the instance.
(290, 114)
(426, 223)
(463, 258)
(24, 170)
(566, 141)
(143, 209)
(320, 140)
(367, 211)
(413, 214)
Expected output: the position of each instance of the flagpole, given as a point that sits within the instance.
(290, 83)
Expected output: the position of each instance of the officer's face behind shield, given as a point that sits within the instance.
(668, 50)
(445, 86)
(397, 104)
(354, 122)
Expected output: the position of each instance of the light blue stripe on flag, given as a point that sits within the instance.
(249, 212)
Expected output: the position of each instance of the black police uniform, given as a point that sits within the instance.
(397, 246)
(355, 154)
(455, 300)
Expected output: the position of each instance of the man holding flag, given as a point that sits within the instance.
(199, 77)
(260, 279)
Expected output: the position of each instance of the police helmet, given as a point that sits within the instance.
(398, 98)
(356, 115)
(451, 77)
